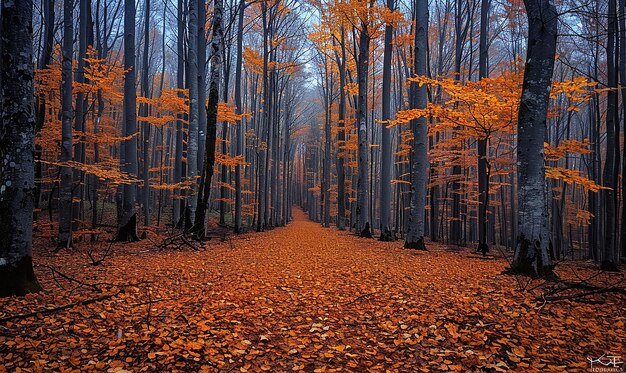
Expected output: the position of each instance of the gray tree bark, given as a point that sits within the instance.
(180, 84)
(145, 92)
(204, 192)
(387, 160)
(531, 254)
(17, 138)
(238, 128)
(362, 196)
(66, 175)
(194, 104)
(419, 152)
(127, 219)
(201, 53)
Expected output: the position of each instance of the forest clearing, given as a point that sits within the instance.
(303, 298)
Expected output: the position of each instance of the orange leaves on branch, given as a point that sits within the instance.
(227, 113)
(566, 146)
(102, 171)
(572, 177)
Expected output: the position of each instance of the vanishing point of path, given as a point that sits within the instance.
(297, 298)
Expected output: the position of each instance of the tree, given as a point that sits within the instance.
(238, 103)
(362, 73)
(17, 135)
(217, 40)
(483, 177)
(611, 165)
(531, 253)
(419, 152)
(387, 162)
(194, 106)
(127, 217)
(66, 174)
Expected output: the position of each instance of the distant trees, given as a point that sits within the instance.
(17, 134)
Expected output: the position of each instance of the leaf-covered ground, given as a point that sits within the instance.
(300, 298)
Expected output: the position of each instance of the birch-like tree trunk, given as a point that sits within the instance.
(204, 192)
(127, 219)
(17, 138)
(192, 77)
(419, 152)
(66, 175)
(531, 254)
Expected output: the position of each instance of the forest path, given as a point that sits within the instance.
(299, 298)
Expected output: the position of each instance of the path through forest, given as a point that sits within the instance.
(300, 297)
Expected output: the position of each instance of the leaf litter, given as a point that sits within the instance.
(298, 298)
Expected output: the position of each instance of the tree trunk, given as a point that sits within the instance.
(238, 128)
(363, 207)
(483, 179)
(209, 157)
(145, 92)
(608, 260)
(192, 77)
(201, 53)
(40, 104)
(387, 160)
(531, 254)
(180, 84)
(17, 138)
(127, 220)
(66, 175)
(419, 151)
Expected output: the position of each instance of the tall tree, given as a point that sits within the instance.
(531, 253)
(180, 84)
(217, 40)
(17, 138)
(194, 105)
(419, 151)
(483, 177)
(145, 92)
(239, 130)
(607, 257)
(362, 72)
(386, 167)
(127, 218)
(65, 188)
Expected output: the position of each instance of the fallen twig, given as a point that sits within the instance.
(46, 311)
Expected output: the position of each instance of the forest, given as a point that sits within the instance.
(312, 185)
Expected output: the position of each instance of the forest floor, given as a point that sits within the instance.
(302, 298)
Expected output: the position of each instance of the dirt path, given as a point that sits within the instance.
(301, 298)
